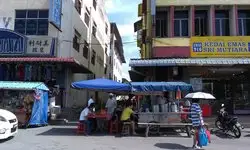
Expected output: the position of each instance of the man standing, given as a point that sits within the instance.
(197, 120)
(111, 105)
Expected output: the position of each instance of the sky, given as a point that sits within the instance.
(124, 14)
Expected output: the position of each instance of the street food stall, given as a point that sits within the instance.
(158, 111)
(102, 85)
(27, 100)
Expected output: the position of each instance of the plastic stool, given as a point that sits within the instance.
(113, 127)
(80, 128)
(126, 128)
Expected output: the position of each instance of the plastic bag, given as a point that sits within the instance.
(202, 137)
(208, 136)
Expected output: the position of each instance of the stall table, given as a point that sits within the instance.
(101, 119)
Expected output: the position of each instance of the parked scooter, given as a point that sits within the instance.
(226, 123)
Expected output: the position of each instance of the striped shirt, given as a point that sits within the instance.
(196, 117)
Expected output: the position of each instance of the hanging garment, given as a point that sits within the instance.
(1, 73)
(39, 75)
(21, 72)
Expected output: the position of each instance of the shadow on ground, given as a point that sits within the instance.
(171, 146)
(222, 134)
(6, 140)
(60, 131)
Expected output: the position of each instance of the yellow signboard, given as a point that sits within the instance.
(220, 46)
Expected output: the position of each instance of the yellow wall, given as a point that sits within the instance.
(160, 42)
(201, 2)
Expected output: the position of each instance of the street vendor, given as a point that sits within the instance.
(127, 114)
(111, 105)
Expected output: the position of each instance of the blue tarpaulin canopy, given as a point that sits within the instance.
(103, 85)
(39, 114)
(160, 86)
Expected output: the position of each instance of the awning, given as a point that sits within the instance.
(74, 64)
(149, 87)
(37, 59)
(188, 62)
(103, 85)
(16, 85)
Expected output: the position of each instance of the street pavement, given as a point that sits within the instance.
(65, 138)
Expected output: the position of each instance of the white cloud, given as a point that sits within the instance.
(126, 29)
(115, 6)
(127, 8)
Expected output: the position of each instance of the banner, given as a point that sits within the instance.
(220, 46)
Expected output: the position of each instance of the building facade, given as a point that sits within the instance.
(205, 43)
(63, 41)
(116, 54)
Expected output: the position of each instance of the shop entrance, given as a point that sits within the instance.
(229, 85)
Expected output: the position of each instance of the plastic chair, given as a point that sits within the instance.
(80, 128)
(113, 127)
(126, 128)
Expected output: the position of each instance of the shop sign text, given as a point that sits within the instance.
(12, 43)
(41, 46)
(220, 46)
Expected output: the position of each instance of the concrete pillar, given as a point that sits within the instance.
(236, 19)
(171, 20)
(211, 21)
(233, 23)
(191, 21)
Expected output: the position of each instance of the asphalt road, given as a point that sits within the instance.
(64, 138)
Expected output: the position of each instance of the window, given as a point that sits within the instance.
(105, 69)
(32, 22)
(110, 60)
(106, 28)
(201, 26)
(86, 50)
(106, 49)
(244, 22)
(181, 23)
(161, 24)
(78, 5)
(93, 57)
(94, 29)
(94, 4)
(222, 23)
(76, 41)
(86, 17)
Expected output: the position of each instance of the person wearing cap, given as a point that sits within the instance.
(111, 105)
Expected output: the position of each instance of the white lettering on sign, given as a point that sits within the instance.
(11, 45)
(41, 46)
(5, 22)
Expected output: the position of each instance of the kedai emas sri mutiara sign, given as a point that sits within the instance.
(220, 46)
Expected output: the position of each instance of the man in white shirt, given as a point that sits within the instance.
(111, 105)
(90, 101)
(84, 117)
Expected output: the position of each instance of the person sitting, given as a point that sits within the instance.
(84, 118)
(127, 114)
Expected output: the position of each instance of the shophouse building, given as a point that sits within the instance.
(205, 43)
(116, 54)
(54, 41)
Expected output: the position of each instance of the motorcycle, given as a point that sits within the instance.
(226, 123)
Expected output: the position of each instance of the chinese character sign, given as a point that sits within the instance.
(41, 46)
(55, 12)
(220, 46)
